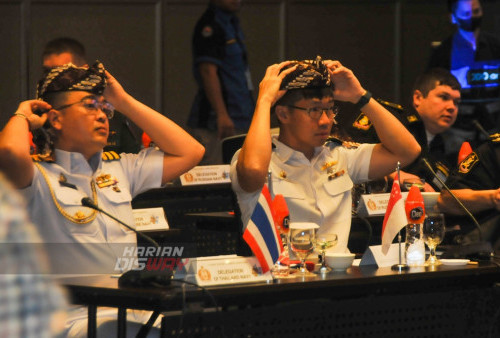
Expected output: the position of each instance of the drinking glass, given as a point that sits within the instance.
(323, 242)
(433, 231)
(302, 242)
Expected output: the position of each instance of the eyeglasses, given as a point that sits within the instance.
(316, 112)
(93, 105)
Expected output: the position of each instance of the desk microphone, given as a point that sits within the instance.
(87, 202)
(136, 278)
(483, 246)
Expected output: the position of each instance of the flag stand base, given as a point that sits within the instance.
(400, 267)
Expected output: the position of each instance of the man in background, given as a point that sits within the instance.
(224, 104)
(124, 136)
(470, 53)
(435, 98)
(436, 95)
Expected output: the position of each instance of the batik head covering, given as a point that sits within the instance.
(308, 74)
(70, 77)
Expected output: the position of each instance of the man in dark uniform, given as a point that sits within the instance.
(124, 136)
(436, 94)
(476, 183)
(435, 98)
(224, 103)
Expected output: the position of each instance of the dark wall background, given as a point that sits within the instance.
(146, 44)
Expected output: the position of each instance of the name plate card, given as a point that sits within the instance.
(208, 174)
(150, 219)
(375, 204)
(374, 256)
(221, 270)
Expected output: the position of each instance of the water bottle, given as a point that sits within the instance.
(415, 214)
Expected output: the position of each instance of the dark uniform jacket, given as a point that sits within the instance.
(218, 39)
(481, 171)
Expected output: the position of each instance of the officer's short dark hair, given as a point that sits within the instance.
(435, 77)
(62, 45)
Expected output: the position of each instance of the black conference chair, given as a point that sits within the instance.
(230, 145)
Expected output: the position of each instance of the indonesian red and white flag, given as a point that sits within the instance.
(395, 216)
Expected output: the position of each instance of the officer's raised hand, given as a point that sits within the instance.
(347, 86)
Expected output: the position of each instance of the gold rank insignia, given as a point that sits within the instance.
(63, 181)
(466, 165)
(110, 156)
(105, 180)
(362, 122)
(495, 138)
(328, 165)
(336, 174)
(412, 118)
(62, 178)
(282, 174)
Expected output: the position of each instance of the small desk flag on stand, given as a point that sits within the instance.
(261, 233)
(395, 216)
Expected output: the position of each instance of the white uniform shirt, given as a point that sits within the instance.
(92, 247)
(310, 194)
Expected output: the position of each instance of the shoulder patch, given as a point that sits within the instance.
(110, 156)
(466, 165)
(207, 31)
(390, 104)
(362, 122)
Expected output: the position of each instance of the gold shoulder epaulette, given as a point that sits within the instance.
(412, 118)
(110, 156)
(390, 104)
(495, 138)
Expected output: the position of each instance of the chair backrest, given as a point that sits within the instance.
(230, 145)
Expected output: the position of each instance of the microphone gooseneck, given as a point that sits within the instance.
(480, 128)
(87, 202)
(464, 208)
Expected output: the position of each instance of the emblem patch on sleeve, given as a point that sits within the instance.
(362, 122)
(466, 165)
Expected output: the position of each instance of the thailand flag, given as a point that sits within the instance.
(395, 216)
(261, 233)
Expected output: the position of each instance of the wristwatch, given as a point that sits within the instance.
(365, 98)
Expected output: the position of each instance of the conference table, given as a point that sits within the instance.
(454, 301)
